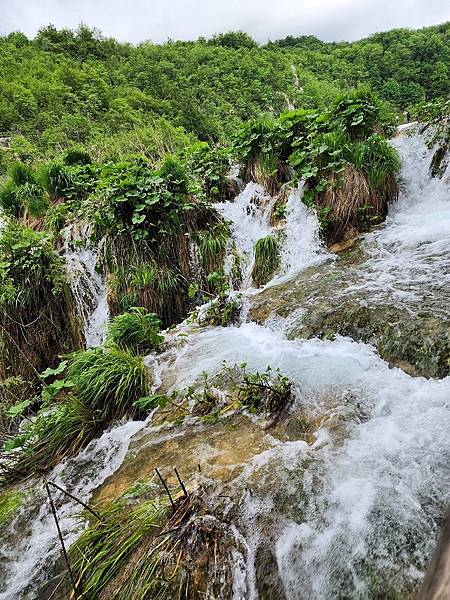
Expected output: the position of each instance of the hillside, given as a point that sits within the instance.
(65, 87)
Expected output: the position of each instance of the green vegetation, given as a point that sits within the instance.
(136, 330)
(33, 288)
(142, 548)
(71, 89)
(107, 546)
(231, 390)
(267, 260)
(10, 503)
(101, 385)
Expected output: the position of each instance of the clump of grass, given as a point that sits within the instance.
(136, 330)
(105, 548)
(212, 246)
(21, 173)
(55, 179)
(267, 260)
(76, 156)
(10, 503)
(10, 201)
(377, 159)
(102, 385)
(136, 553)
(32, 197)
(108, 380)
(55, 434)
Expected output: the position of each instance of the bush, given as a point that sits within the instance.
(30, 268)
(136, 330)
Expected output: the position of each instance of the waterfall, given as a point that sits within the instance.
(32, 558)
(87, 284)
(354, 510)
(249, 215)
(359, 509)
(299, 237)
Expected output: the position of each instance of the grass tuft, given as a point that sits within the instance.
(136, 330)
(267, 260)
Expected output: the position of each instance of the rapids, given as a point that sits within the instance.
(351, 510)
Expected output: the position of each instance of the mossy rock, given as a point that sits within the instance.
(10, 502)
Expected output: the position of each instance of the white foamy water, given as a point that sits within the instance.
(409, 256)
(302, 246)
(27, 563)
(356, 514)
(383, 485)
(88, 286)
(249, 214)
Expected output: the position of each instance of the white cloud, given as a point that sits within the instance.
(137, 20)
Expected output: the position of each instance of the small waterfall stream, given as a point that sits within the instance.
(88, 285)
(355, 511)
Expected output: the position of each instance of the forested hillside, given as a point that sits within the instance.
(66, 87)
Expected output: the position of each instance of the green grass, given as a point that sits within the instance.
(267, 260)
(135, 330)
(108, 381)
(212, 246)
(105, 548)
(376, 159)
(55, 434)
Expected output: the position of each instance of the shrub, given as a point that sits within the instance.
(29, 266)
(135, 330)
(358, 111)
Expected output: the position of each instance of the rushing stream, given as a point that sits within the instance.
(351, 510)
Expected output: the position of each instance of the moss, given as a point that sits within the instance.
(10, 503)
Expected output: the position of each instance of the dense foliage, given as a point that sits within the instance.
(65, 88)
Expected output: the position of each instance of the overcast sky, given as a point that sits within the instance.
(158, 20)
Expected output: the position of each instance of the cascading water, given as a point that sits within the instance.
(354, 510)
(355, 514)
(250, 215)
(88, 286)
(30, 546)
(409, 257)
